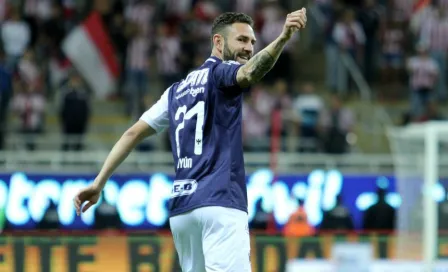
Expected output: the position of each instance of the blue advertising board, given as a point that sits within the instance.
(141, 199)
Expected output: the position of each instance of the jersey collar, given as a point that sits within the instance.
(213, 59)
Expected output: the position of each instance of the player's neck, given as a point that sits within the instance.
(217, 54)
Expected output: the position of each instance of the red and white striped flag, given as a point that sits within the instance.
(89, 48)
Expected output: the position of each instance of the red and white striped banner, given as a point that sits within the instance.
(89, 48)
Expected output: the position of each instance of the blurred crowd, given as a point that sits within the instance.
(395, 42)
(156, 43)
(400, 45)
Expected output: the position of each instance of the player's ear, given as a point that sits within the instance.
(218, 42)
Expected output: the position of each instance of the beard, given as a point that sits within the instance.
(228, 54)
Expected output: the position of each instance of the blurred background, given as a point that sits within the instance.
(75, 74)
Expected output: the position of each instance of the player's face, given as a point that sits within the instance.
(239, 43)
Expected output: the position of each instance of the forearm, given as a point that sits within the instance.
(260, 64)
(117, 155)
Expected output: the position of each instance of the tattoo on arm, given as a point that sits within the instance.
(260, 64)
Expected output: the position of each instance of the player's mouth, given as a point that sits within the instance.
(245, 58)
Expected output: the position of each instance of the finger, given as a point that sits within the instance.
(294, 26)
(87, 206)
(77, 203)
(297, 16)
(300, 20)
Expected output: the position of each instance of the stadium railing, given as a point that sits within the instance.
(92, 160)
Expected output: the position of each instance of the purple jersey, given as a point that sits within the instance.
(203, 113)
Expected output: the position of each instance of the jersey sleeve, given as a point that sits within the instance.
(157, 116)
(224, 74)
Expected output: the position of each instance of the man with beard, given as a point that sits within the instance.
(208, 204)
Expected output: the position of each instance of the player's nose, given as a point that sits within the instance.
(249, 49)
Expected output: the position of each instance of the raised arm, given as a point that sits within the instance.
(260, 64)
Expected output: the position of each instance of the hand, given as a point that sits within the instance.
(294, 22)
(90, 194)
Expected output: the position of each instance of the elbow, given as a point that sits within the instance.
(132, 135)
(138, 132)
(245, 78)
(246, 82)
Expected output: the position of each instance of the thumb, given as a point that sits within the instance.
(304, 10)
(87, 206)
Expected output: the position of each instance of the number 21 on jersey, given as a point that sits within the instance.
(182, 114)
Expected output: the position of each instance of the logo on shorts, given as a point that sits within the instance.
(184, 187)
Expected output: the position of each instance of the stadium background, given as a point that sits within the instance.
(74, 74)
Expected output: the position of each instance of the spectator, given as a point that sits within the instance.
(336, 123)
(29, 71)
(420, 16)
(3, 10)
(168, 55)
(38, 9)
(264, 97)
(50, 220)
(423, 72)
(282, 103)
(308, 107)
(393, 41)
(435, 35)
(245, 6)
(401, 10)
(380, 216)
(338, 218)
(255, 126)
(297, 225)
(206, 10)
(106, 216)
(189, 38)
(272, 26)
(136, 69)
(281, 95)
(261, 218)
(53, 29)
(350, 38)
(331, 48)
(370, 17)
(29, 106)
(74, 112)
(5, 95)
(117, 30)
(16, 36)
(142, 13)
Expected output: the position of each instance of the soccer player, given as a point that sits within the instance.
(208, 204)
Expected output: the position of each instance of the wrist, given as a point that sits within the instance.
(283, 38)
(97, 185)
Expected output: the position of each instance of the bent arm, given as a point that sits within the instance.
(128, 141)
(260, 64)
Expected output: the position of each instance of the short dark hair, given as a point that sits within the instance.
(229, 18)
